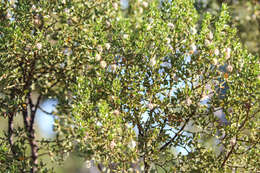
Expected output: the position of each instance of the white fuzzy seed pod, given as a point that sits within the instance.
(9, 15)
(141, 10)
(116, 112)
(112, 145)
(216, 52)
(39, 46)
(193, 48)
(170, 25)
(149, 27)
(33, 7)
(227, 53)
(211, 36)
(98, 57)
(145, 4)
(193, 30)
(229, 68)
(150, 106)
(215, 61)
(233, 141)
(125, 36)
(66, 10)
(115, 6)
(108, 24)
(152, 61)
(168, 40)
(103, 64)
(188, 101)
(207, 42)
(113, 67)
(107, 45)
(99, 48)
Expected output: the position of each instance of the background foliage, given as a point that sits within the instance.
(134, 86)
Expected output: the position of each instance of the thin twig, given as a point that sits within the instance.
(48, 113)
(228, 155)
(176, 134)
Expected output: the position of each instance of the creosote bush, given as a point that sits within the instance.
(134, 85)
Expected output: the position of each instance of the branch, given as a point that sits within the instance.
(176, 134)
(247, 149)
(237, 166)
(31, 131)
(44, 111)
(33, 111)
(10, 132)
(161, 130)
(25, 119)
(137, 121)
(239, 129)
(228, 155)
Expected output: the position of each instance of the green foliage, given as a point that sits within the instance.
(245, 17)
(130, 85)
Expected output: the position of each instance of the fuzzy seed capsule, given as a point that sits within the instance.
(229, 68)
(107, 45)
(103, 64)
(97, 57)
(170, 25)
(216, 52)
(39, 46)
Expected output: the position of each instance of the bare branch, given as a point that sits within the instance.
(10, 132)
(176, 134)
(228, 155)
